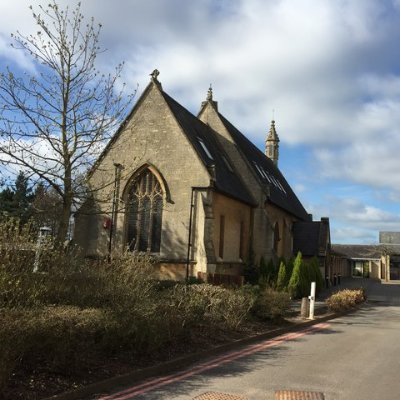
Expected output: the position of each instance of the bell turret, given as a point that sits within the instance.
(272, 144)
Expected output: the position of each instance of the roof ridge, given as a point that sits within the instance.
(281, 193)
(228, 182)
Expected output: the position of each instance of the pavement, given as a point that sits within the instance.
(353, 356)
(345, 283)
(376, 292)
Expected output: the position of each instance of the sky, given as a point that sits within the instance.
(327, 71)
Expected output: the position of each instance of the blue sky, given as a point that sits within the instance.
(329, 69)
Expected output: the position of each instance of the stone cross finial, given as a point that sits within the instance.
(209, 99)
(209, 94)
(154, 75)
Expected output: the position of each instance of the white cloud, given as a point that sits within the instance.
(351, 235)
(14, 56)
(352, 219)
(330, 69)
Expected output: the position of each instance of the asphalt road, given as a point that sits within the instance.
(354, 357)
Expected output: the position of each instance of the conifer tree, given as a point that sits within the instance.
(289, 270)
(319, 280)
(296, 283)
(16, 201)
(281, 281)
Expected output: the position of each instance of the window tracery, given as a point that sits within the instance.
(144, 213)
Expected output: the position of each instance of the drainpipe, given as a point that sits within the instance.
(118, 168)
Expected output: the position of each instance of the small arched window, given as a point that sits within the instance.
(144, 213)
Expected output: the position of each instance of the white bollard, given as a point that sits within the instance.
(312, 300)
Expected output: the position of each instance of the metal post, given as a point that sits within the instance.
(312, 300)
(118, 168)
(189, 246)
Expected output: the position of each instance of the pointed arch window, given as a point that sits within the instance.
(144, 213)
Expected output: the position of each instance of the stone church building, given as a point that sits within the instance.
(191, 190)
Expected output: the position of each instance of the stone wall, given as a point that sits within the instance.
(285, 222)
(151, 137)
(389, 237)
(262, 233)
(236, 235)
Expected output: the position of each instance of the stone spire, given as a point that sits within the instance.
(272, 144)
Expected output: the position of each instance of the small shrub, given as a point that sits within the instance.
(298, 284)
(182, 307)
(319, 280)
(229, 307)
(289, 271)
(237, 308)
(194, 280)
(281, 281)
(345, 299)
(271, 304)
(251, 273)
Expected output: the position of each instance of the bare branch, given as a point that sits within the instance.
(53, 122)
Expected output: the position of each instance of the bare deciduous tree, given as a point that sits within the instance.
(55, 121)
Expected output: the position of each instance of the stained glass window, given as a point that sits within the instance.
(144, 213)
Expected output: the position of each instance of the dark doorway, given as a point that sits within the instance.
(395, 268)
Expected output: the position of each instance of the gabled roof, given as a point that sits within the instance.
(357, 251)
(280, 193)
(365, 251)
(210, 152)
(311, 238)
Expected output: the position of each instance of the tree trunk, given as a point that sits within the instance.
(64, 222)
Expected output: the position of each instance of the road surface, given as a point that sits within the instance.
(354, 357)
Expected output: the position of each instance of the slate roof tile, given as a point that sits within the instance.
(226, 180)
(280, 193)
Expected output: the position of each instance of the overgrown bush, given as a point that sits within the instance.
(271, 304)
(60, 336)
(229, 307)
(181, 307)
(346, 299)
(13, 342)
(70, 310)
